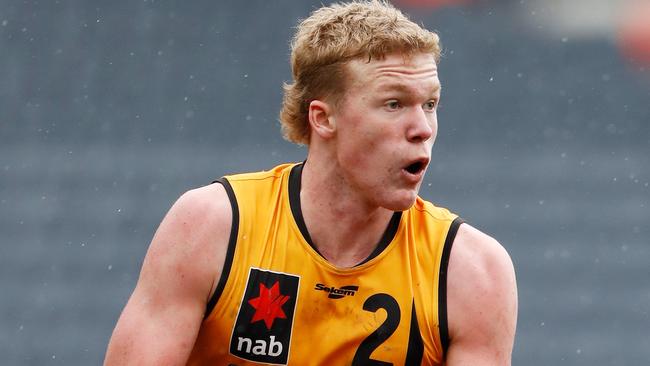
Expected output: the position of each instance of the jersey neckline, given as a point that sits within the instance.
(295, 180)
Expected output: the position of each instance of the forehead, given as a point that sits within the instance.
(415, 73)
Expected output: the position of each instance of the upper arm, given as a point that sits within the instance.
(482, 301)
(183, 263)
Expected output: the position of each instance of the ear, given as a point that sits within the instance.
(321, 119)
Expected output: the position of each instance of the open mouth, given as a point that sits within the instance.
(416, 167)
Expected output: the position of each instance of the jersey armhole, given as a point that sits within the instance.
(232, 243)
(442, 284)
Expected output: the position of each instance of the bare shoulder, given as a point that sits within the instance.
(482, 300)
(189, 248)
(195, 231)
(205, 210)
(163, 316)
(477, 256)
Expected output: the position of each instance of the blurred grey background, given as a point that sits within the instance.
(110, 110)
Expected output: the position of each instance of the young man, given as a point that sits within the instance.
(335, 261)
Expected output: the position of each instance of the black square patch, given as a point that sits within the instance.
(262, 331)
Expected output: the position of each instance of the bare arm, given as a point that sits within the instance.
(482, 301)
(161, 320)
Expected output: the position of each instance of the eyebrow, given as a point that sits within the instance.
(403, 88)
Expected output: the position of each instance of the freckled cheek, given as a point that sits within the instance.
(434, 128)
(369, 154)
(365, 153)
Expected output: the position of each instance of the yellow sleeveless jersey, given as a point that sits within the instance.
(280, 302)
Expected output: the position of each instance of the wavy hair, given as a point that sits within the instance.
(329, 38)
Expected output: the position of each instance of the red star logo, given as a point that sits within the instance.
(268, 305)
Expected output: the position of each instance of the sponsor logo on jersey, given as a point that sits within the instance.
(262, 331)
(337, 293)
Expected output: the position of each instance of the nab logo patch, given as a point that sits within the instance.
(262, 331)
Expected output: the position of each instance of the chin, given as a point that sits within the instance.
(402, 203)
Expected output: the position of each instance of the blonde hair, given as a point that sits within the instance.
(329, 38)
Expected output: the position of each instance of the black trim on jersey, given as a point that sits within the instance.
(232, 242)
(442, 284)
(295, 178)
(387, 237)
(415, 350)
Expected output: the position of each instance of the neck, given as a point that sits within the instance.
(343, 225)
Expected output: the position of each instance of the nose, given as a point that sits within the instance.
(422, 127)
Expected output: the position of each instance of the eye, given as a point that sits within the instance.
(392, 105)
(430, 105)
